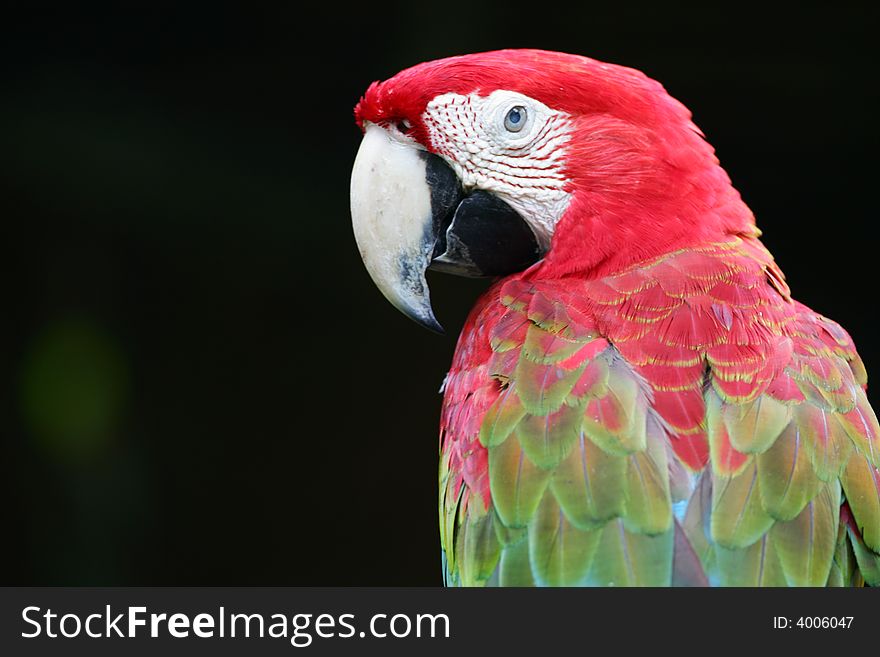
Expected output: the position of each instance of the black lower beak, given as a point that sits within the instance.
(477, 235)
(485, 238)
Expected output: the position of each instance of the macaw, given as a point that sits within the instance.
(637, 400)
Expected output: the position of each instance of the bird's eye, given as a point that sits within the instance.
(515, 118)
(404, 126)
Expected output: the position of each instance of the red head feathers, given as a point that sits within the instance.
(642, 179)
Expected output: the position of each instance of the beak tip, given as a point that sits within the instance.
(435, 327)
(424, 317)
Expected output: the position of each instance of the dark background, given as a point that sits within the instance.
(200, 384)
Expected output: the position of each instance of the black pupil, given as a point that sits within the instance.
(514, 116)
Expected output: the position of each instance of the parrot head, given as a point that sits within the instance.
(491, 163)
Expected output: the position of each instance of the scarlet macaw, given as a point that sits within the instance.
(637, 399)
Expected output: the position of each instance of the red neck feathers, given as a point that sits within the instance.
(641, 190)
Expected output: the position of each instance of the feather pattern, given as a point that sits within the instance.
(578, 411)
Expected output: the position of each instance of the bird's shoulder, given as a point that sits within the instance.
(722, 309)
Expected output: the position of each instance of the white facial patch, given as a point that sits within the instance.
(524, 168)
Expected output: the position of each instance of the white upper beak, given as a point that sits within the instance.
(392, 220)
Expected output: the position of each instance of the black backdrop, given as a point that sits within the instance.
(200, 384)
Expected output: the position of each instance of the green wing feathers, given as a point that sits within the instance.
(578, 468)
(620, 454)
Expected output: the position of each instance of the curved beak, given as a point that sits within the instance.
(409, 213)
